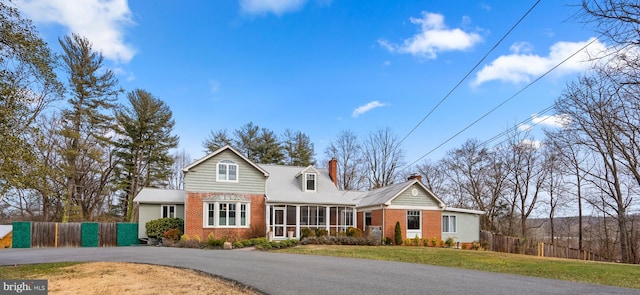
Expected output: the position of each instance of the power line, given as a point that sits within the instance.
(502, 103)
(469, 72)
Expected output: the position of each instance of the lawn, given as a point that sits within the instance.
(613, 274)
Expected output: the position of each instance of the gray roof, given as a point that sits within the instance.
(160, 196)
(5, 230)
(384, 195)
(285, 186)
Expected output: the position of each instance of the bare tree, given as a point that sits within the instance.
(598, 111)
(180, 160)
(347, 151)
(382, 158)
(435, 179)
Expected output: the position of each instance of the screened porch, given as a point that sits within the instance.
(287, 220)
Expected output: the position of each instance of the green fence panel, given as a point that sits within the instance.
(128, 234)
(21, 234)
(89, 234)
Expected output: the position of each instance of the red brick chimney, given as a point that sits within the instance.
(415, 176)
(333, 170)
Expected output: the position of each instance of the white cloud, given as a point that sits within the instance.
(524, 127)
(522, 66)
(434, 37)
(277, 7)
(101, 21)
(554, 121)
(536, 144)
(367, 107)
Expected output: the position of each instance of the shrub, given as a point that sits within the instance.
(485, 245)
(425, 242)
(247, 243)
(387, 241)
(434, 242)
(449, 242)
(416, 241)
(172, 234)
(155, 228)
(398, 234)
(307, 232)
(213, 242)
(407, 242)
(238, 245)
(321, 232)
(354, 232)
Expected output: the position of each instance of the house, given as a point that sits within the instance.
(227, 195)
(420, 213)
(6, 233)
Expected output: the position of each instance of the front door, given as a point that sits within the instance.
(278, 222)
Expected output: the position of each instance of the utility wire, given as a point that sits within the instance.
(469, 72)
(502, 103)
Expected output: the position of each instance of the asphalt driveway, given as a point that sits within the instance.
(276, 273)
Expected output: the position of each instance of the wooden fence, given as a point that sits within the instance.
(74, 234)
(515, 245)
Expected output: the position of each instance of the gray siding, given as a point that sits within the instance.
(202, 178)
(467, 227)
(406, 198)
(148, 212)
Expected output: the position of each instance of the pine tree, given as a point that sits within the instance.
(144, 145)
(87, 123)
(298, 149)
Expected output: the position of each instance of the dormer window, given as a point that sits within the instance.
(310, 182)
(227, 171)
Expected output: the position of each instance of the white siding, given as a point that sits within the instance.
(467, 227)
(148, 212)
(202, 178)
(423, 198)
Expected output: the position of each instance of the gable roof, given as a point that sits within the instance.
(283, 186)
(308, 169)
(160, 196)
(385, 195)
(218, 151)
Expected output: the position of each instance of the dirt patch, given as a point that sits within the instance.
(131, 278)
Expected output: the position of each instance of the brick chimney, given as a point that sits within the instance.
(415, 176)
(333, 170)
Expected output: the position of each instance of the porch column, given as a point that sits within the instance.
(298, 221)
(328, 219)
(355, 217)
(267, 215)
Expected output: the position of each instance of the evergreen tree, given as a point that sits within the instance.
(144, 145)
(87, 123)
(298, 149)
(217, 140)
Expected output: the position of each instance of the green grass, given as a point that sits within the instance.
(29, 271)
(613, 274)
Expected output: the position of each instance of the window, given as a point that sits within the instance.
(226, 211)
(168, 211)
(367, 219)
(310, 181)
(448, 224)
(227, 171)
(413, 219)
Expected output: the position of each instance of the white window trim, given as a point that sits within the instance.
(448, 230)
(175, 210)
(227, 163)
(419, 221)
(315, 182)
(216, 214)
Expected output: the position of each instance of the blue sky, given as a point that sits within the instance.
(323, 66)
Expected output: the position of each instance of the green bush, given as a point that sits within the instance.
(449, 242)
(387, 241)
(354, 232)
(416, 241)
(156, 228)
(238, 245)
(307, 232)
(398, 234)
(213, 242)
(247, 243)
(321, 232)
